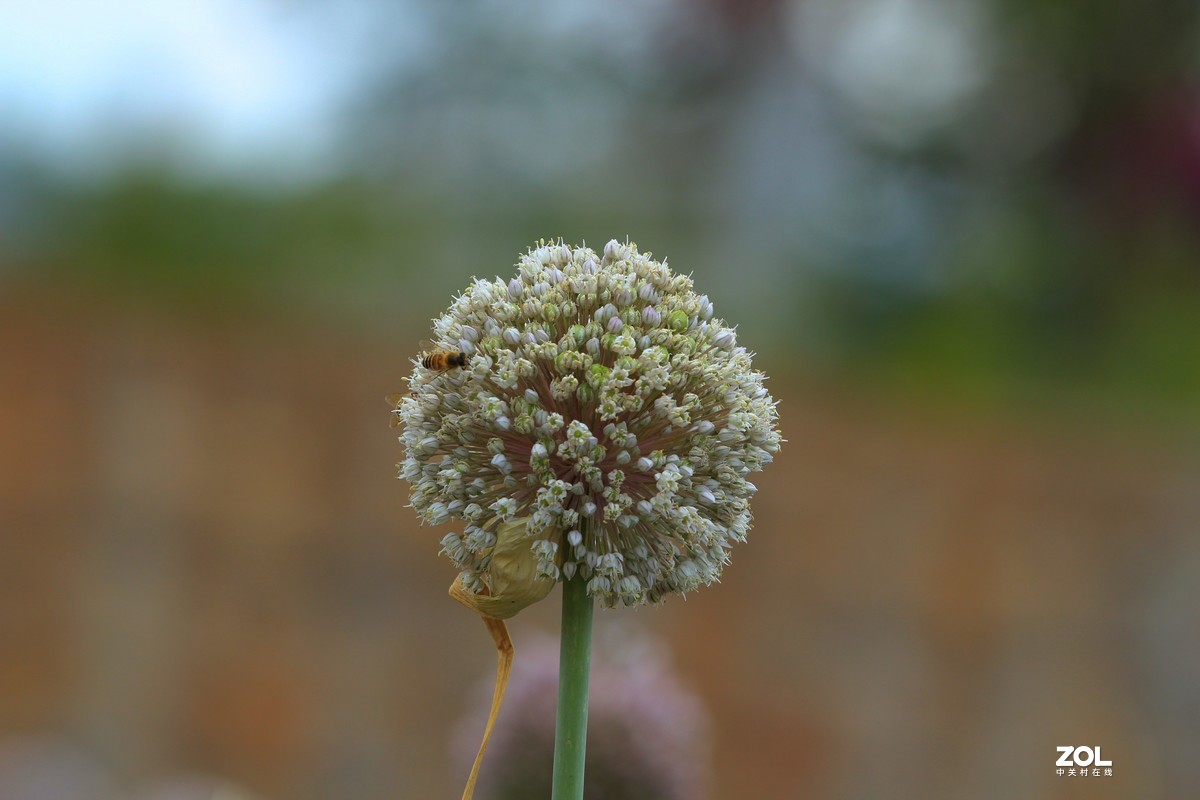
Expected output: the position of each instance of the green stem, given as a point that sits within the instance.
(574, 663)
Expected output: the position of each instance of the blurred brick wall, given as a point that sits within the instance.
(206, 565)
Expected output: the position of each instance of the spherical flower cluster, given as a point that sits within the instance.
(604, 408)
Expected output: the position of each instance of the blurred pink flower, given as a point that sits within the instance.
(648, 737)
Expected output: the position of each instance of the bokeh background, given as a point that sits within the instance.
(962, 235)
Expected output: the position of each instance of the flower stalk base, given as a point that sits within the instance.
(574, 665)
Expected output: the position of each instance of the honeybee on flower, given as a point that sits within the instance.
(440, 359)
(443, 360)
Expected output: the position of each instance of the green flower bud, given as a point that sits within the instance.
(596, 375)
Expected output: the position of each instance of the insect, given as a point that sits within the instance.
(439, 359)
(442, 360)
(436, 359)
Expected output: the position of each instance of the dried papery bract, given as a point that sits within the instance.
(512, 585)
(602, 429)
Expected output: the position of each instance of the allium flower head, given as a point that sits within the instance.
(603, 412)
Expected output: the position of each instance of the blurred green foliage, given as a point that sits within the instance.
(1027, 311)
(1034, 312)
(148, 233)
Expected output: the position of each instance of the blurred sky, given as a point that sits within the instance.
(238, 82)
(244, 82)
